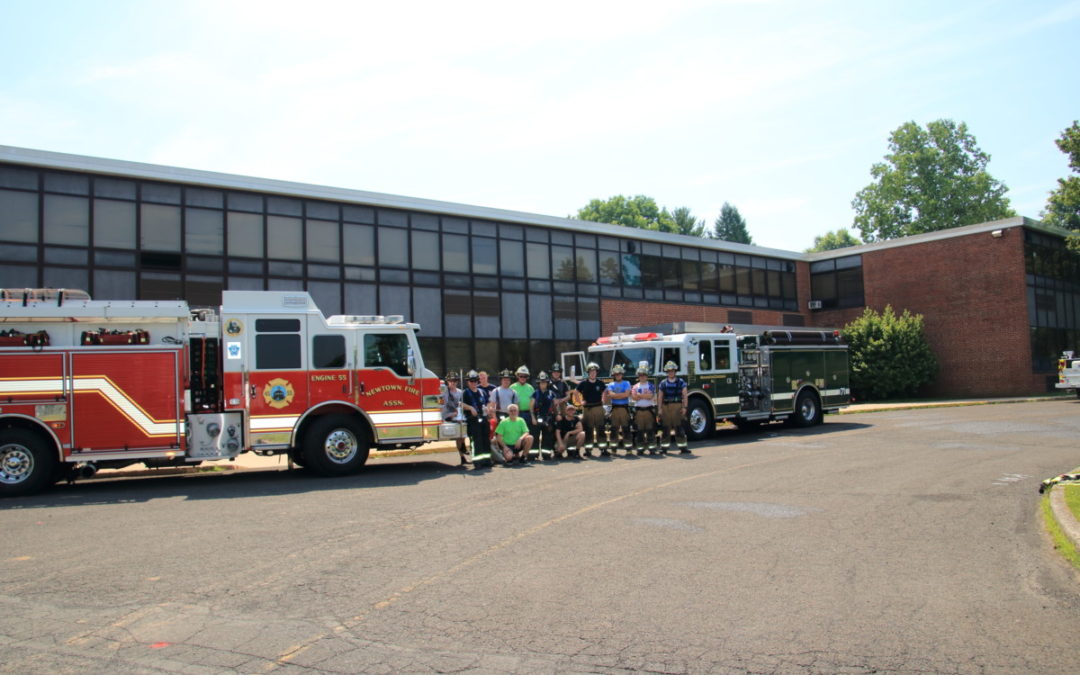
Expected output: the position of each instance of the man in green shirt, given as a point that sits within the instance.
(524, 392)
(512, 437)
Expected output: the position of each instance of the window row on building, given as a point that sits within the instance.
(186, 241)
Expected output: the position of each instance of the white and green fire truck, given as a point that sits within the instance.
(745, 375)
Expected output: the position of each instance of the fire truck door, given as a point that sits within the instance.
(330, 376)
(276, 386)
(388, 391)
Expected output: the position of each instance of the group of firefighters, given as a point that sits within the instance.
(567, 419)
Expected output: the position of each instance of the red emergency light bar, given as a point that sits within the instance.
(615, 339)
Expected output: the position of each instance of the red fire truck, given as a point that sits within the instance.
(89, 384)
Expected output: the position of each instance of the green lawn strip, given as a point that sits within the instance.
(1061, 542)
(1072, 499)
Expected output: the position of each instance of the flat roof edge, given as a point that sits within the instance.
(115, 167)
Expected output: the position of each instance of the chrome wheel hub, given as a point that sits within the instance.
(16, 464)
(341, 446)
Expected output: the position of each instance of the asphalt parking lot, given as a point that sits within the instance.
(902, 541)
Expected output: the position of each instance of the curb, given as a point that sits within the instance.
(1064, 515)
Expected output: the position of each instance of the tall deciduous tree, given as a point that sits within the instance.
(638, 211)
(731, 226)
(642, 212)
(1063, 206)
(831, 241)
(932, 179)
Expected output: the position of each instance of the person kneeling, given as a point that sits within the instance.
(512, 437)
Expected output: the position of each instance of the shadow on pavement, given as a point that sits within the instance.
(228, 485)
(278, 482)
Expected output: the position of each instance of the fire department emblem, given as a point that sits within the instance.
(234, 327)
(278, 393)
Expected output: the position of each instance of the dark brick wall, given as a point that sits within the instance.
(972, 295)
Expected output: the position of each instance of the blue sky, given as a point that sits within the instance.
(778, 107)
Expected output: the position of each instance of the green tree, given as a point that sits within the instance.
(1063, 206)
(932, 179)
(890, 356)
(831, 241)
(731, 226)
(639, 211)
(685, 223)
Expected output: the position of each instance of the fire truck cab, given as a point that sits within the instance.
(88, 384)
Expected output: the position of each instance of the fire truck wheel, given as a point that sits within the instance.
(26, 464)
(807, 410)
(700, 420)
(334, 446)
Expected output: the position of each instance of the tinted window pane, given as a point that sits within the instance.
(242, 201)
(277, 351)
(562, 263)
(160, 227)
(204, 231)
(513, 315)
(651, 271)
(359, 244)
(322, 240)
(203, 197)
(425, 250)
(159, 192)
(609, 267)
(586, 265)
(284, 237)
(66, 220)
(61, 277)
(245, 234)
(277, 325)
(455, 253)
(14, 177)
(392, 218)
(631, 269)
(114, 224)
(393, 247)
(328, 351)
(18, 216)
(427, 310)
(113, 285)
(114, 187)
(284, 206)
(358, 214)
(18, 253)
(73, 184)
(484, 255)
(538, 261)
(510, 262)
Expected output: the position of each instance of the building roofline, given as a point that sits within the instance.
(123, 168)
(963, 231)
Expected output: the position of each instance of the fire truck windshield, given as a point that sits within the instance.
(628, 357)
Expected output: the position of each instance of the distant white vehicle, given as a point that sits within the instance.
(1069, 372)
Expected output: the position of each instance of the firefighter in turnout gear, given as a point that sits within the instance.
(560, 388)
(592, 395)
(644, 395)
(474, 401)
(673, 394)
(617, 395)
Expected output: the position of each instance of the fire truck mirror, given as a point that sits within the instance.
(411, 362)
